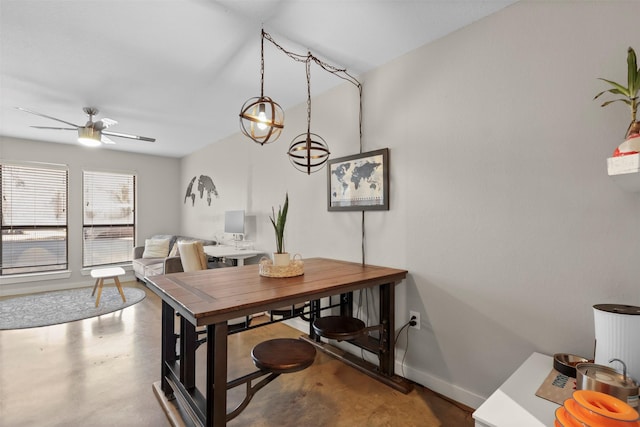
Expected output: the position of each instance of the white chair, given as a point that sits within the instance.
(192, 256)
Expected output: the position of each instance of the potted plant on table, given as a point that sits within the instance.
(280, 257)
(629, 95)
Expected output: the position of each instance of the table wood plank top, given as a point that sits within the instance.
(210, 296)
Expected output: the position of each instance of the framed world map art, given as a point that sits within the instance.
(359, 182)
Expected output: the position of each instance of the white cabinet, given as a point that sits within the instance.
(515, 403)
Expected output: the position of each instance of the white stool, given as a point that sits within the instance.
(107, 273)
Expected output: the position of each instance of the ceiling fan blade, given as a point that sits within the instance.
(108, 122)
(48, 117)
(124, 135)
(50, 127)
(102, 124)
(106, 140)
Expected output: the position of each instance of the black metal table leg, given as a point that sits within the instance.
(387, 315)
(188, 345)
(346, 304)
(216, 393)
(168, 349)
(314, 313)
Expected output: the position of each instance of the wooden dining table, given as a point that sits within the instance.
(212, 297)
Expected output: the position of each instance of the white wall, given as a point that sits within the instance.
(501, 207)
(158, 192)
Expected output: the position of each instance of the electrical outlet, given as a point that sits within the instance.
(415, 314)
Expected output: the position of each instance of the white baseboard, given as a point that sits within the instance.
(35, 287)
(441, 386)
(423, 378)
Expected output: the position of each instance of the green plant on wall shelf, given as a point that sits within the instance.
(279, 222)
(629, 93)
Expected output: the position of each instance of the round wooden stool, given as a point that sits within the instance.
(341, 328)
(283, 355)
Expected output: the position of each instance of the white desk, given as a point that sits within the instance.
(515, 403)
(224, 251)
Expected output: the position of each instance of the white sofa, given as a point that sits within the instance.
(147, 267)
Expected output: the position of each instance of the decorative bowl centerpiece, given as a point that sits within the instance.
(294, 268)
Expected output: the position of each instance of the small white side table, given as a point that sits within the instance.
(107, 273)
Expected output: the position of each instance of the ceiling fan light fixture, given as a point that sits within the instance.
(89, 137)
(93, 133)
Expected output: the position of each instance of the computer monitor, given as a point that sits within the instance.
(234, 222)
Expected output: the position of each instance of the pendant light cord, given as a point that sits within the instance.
(338, 72)
(262, 65)
(363, 239)
(308, 69)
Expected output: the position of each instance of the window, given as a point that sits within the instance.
(109, 218)
(34, 218)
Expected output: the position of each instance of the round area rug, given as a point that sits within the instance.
(51, 308)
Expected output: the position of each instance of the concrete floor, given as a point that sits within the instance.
(100, 372)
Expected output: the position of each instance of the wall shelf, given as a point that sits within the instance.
(625, 171)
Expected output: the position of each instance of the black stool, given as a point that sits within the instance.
(272, 358)
(341, 328)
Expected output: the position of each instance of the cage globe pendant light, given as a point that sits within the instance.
(261, 119)
(308, 152)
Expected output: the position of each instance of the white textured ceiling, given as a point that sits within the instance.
(179, 70)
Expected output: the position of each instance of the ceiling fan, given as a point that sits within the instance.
(93, 133)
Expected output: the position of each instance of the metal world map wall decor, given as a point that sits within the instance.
(205, 183)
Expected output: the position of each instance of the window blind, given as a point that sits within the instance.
(109, 218)
(34, 218)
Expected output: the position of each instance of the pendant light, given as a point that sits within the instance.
(261, 119)
(308, 152)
